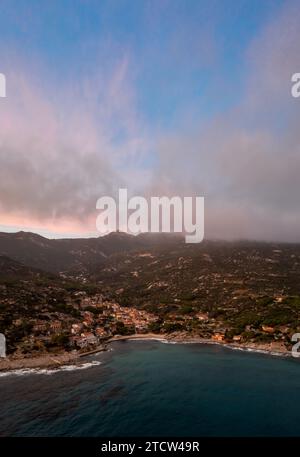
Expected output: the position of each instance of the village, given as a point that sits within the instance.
(205, 293)
(98, 321)
(86, 322)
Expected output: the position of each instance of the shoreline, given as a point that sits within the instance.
(51, 361)
(54, 361)
(38, 362)
(272, 349)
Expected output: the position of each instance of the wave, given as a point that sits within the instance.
(50, 371)
(102, 352)
(160, 340)
(216, 343)
(168, 342)
(240, 348)
(259, 351)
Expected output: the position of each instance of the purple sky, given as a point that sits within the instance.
(162, 97)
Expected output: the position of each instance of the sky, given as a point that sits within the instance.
(163, 97)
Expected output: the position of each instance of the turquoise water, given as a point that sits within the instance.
(154, 389)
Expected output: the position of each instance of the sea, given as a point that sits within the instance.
(150, 388)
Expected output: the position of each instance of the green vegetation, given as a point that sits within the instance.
(186, 309)
(155, 327)
(170, 327)
(60, 339)
(122, 329)
(249, 290)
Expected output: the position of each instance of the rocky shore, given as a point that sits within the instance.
(41, 361)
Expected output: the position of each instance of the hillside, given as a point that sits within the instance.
(71, 255)
(228, 291)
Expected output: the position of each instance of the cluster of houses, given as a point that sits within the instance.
(98, 321)
(133, 317)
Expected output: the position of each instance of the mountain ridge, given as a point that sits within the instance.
(71, 254)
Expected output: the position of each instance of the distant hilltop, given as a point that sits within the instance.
(58, 255)
(86, 255)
